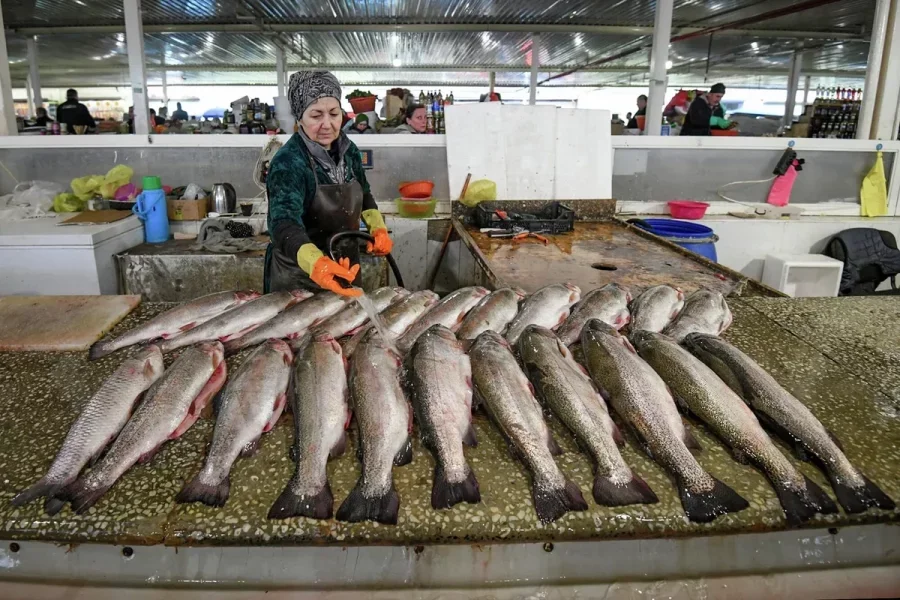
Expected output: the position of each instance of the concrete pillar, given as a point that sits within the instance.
(887, 94)
(134, 40)
(659, 56)
(793, 84)
(535, 64)
(492, 78)
(280, 71)
(807, 83)
(34, 76)
(165, 89)
(873, 72)
(29, 97)
(7, 108)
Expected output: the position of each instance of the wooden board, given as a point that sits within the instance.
(59, 323)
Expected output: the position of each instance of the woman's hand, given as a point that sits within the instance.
(382, 244)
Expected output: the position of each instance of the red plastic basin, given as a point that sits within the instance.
(687, 209)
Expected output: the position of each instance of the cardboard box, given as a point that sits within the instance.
(617, 129)
(799, 130)
(186, 210)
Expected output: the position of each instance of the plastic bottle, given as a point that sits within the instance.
(150, 208)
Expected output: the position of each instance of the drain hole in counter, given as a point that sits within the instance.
(604, 267)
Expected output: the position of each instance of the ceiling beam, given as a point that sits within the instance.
(276, 28)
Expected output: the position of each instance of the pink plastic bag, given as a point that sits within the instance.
(780, 193)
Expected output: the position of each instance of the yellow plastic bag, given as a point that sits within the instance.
(873, 192)
(115, 178)
(85, 187)
(67, 202)
(483, 190)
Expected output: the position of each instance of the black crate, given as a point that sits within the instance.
(552, 218)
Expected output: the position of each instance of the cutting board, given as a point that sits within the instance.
(59, 323)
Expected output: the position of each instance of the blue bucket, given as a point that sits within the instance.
(690, 236)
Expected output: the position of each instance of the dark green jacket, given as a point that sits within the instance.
(291, 186)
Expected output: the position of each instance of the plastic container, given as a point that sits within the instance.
(363, 104)
(687, 209)
(552, 218)
(724, 132)
(415, 208)
(641, 121)
(150, 208)
(416, 189)
(690, 236)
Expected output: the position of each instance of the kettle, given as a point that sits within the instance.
(223, 199)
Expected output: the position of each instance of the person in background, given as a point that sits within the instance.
(154, 120)
(702, 115)
(360, 125)
(415, 120)
(42, 117)
(628, 116)
(641, 112)
(317, 188)
(179, 113)
(72, 112)
(129, 119)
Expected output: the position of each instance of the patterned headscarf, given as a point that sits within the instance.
(305, 87)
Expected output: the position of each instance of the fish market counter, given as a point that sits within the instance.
(42, 393)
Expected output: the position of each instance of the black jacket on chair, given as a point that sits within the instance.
(869, 255)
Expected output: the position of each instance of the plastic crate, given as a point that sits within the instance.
(552, 218)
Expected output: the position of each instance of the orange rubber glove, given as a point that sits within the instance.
(325, 270)
(382, 245)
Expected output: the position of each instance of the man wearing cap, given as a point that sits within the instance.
(706, 112)
(360, 125)
(316, 188)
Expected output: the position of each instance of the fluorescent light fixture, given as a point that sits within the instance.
(668, 64)
(397, 62)
(754, 45)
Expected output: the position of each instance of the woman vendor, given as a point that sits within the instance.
(317, 187)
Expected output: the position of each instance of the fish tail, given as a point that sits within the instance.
(445, 494)
(81, 495)
(52, 505)
(100, 349)
(801, 505)
(703, 507)
(860, 499)
(608, 493)
(209, 494)
(38, 490)
(552, 503)
(290, 504)
(358, 507)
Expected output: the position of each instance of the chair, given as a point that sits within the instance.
(870, 256)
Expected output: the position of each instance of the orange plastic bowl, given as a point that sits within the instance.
(416, 189)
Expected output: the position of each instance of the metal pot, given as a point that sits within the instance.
(223, 199)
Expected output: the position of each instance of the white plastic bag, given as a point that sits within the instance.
(30, 199)
(193, 192)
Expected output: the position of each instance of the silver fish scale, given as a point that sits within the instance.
(543, 308)
(449, 312)
(161, 412)
(319, 400)
(573, 398)
(640, 397)
(439, 372)
(382, 413)
(721, 409)
(609, 304)
(233, 321)
(105, 413)
(653, 309)
(246, 407)
(505, 390)
(705, 311)
(493, 312)
(293, 320)
(769, 397)
(353, 315)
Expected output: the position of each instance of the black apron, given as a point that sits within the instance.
(334, 208)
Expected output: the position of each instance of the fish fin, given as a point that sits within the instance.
(217, 402)
(210, 495)
(445, 494)
(636, 491)
(99, 350)
(703, 507)
(469, 438)
(857, 500)
(42, 488)
(277, 409)
(250, 449)
(552, 503)
(189, 420)
(690, 441)
(53, 505)
(382, 509)
(340, 446)
(801, 505)
(234, 336)
(148, 456)
(553, 445)
(232, 347)
(289, 504)
(81, 496)
(187, 326)
(617, 435)
(404, 457)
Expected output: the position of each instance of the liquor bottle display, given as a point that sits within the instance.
(835, 113)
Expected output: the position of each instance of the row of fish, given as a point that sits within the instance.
(512, 376)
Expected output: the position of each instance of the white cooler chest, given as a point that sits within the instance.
(803, 275)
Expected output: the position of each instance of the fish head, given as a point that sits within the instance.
(624, 291)
(215, 350)
(520, 293)
(281, 347)
(679, 293)
(299, 296)
(700, 342)
(574, 292)
(150, 356)
(401, 293)
(243, 296)
(536, 338)
(642, 339)
(442, 332)
(480, 292)
(325, 338)
(491, 338)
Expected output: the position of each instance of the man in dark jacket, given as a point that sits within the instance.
(705, 113)
(72, 113)
(641, 112)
